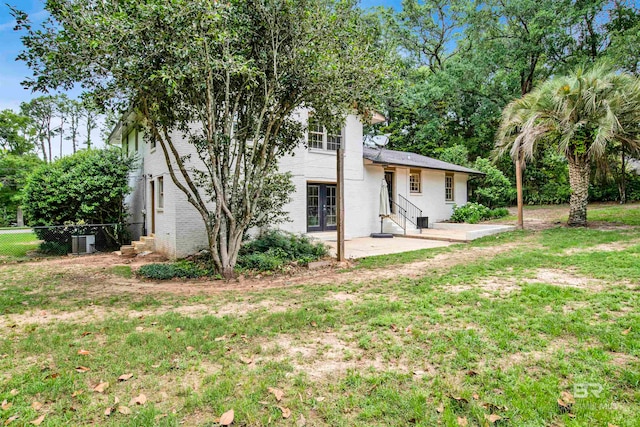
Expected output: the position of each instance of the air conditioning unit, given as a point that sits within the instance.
(83, 244)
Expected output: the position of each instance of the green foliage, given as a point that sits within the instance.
(273, 249)
(54, 248)
(473, 213)
(493, 188)
(16, 133)
(176, 270)
(14, 170)
(88, 187)
(457, 154)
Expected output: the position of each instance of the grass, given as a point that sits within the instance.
(519, 319)
(16, 245)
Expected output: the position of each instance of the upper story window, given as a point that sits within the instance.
(448, 187)
(415, 181)
(321, 138)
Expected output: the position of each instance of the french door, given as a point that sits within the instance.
(322, 214)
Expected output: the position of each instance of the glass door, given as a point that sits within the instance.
(322, 212)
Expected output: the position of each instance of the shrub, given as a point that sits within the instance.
(273, 249)
(473, 213)
(180, 269)
(54, 248)
(88, 187)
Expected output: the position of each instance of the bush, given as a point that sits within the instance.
(54, 248)
(180, 269)
(472, 213)
(273, 249)
(87, 187)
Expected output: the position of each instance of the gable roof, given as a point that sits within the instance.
(403, 158)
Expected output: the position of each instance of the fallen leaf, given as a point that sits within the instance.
(472, 373)
(286, 412)
(52, 376)
(567, 397)
(277, 393)
(14, 392)
(222, 338)
(125, 377)
(84, 334)
(227, 418)
(301, 421)
(11, 419)
(139, 328)
(82, 369)
(77, 393)
(178, 329)
(124, 410)
(626, 331)
(189, 348)
(138, 400)
(394, 328)
(38, 420)
(5, 405)
(462, 421)
(440, 409)
(83, 352)
(492, 418)
(100, 388)
(107, 412)
(476, 396)
(246, 360)
(320, 398)
(314, 324)
(37, 406)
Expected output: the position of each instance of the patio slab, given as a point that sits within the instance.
(367, 246)
(455, 232)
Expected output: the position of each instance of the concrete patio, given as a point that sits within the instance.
(367, 246)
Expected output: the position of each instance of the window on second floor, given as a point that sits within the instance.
(321, 138)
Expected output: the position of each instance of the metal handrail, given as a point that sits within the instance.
(410, 211)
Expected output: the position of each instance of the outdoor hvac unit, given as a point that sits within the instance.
(423, 222)
(83, 244)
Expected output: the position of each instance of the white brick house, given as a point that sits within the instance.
(419, 186)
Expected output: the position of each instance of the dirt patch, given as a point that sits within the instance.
(623, 360)
(605, 247)
(324, 355)
(535, 357)
(97, 313)
(567, 279)
(491, 287)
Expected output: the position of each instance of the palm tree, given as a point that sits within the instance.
(581, 115)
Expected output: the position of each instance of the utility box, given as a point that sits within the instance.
(423, 221)
(83, 244)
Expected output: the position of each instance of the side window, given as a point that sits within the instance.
(415, 181)
(160, 192)
(448, 187)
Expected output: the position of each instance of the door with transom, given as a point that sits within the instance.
(322, 214)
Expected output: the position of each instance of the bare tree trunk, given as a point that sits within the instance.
(579, 174)
(623, 183)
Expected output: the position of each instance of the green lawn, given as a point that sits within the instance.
(502, 327)
(16, 245)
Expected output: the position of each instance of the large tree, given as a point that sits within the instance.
(226, 76)
(581, 115)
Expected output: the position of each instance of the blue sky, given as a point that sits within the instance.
(13, 72)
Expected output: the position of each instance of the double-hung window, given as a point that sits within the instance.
(415, 181)
(448, 187)
(321, 138)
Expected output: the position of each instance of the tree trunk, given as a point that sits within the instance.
(579, 174)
